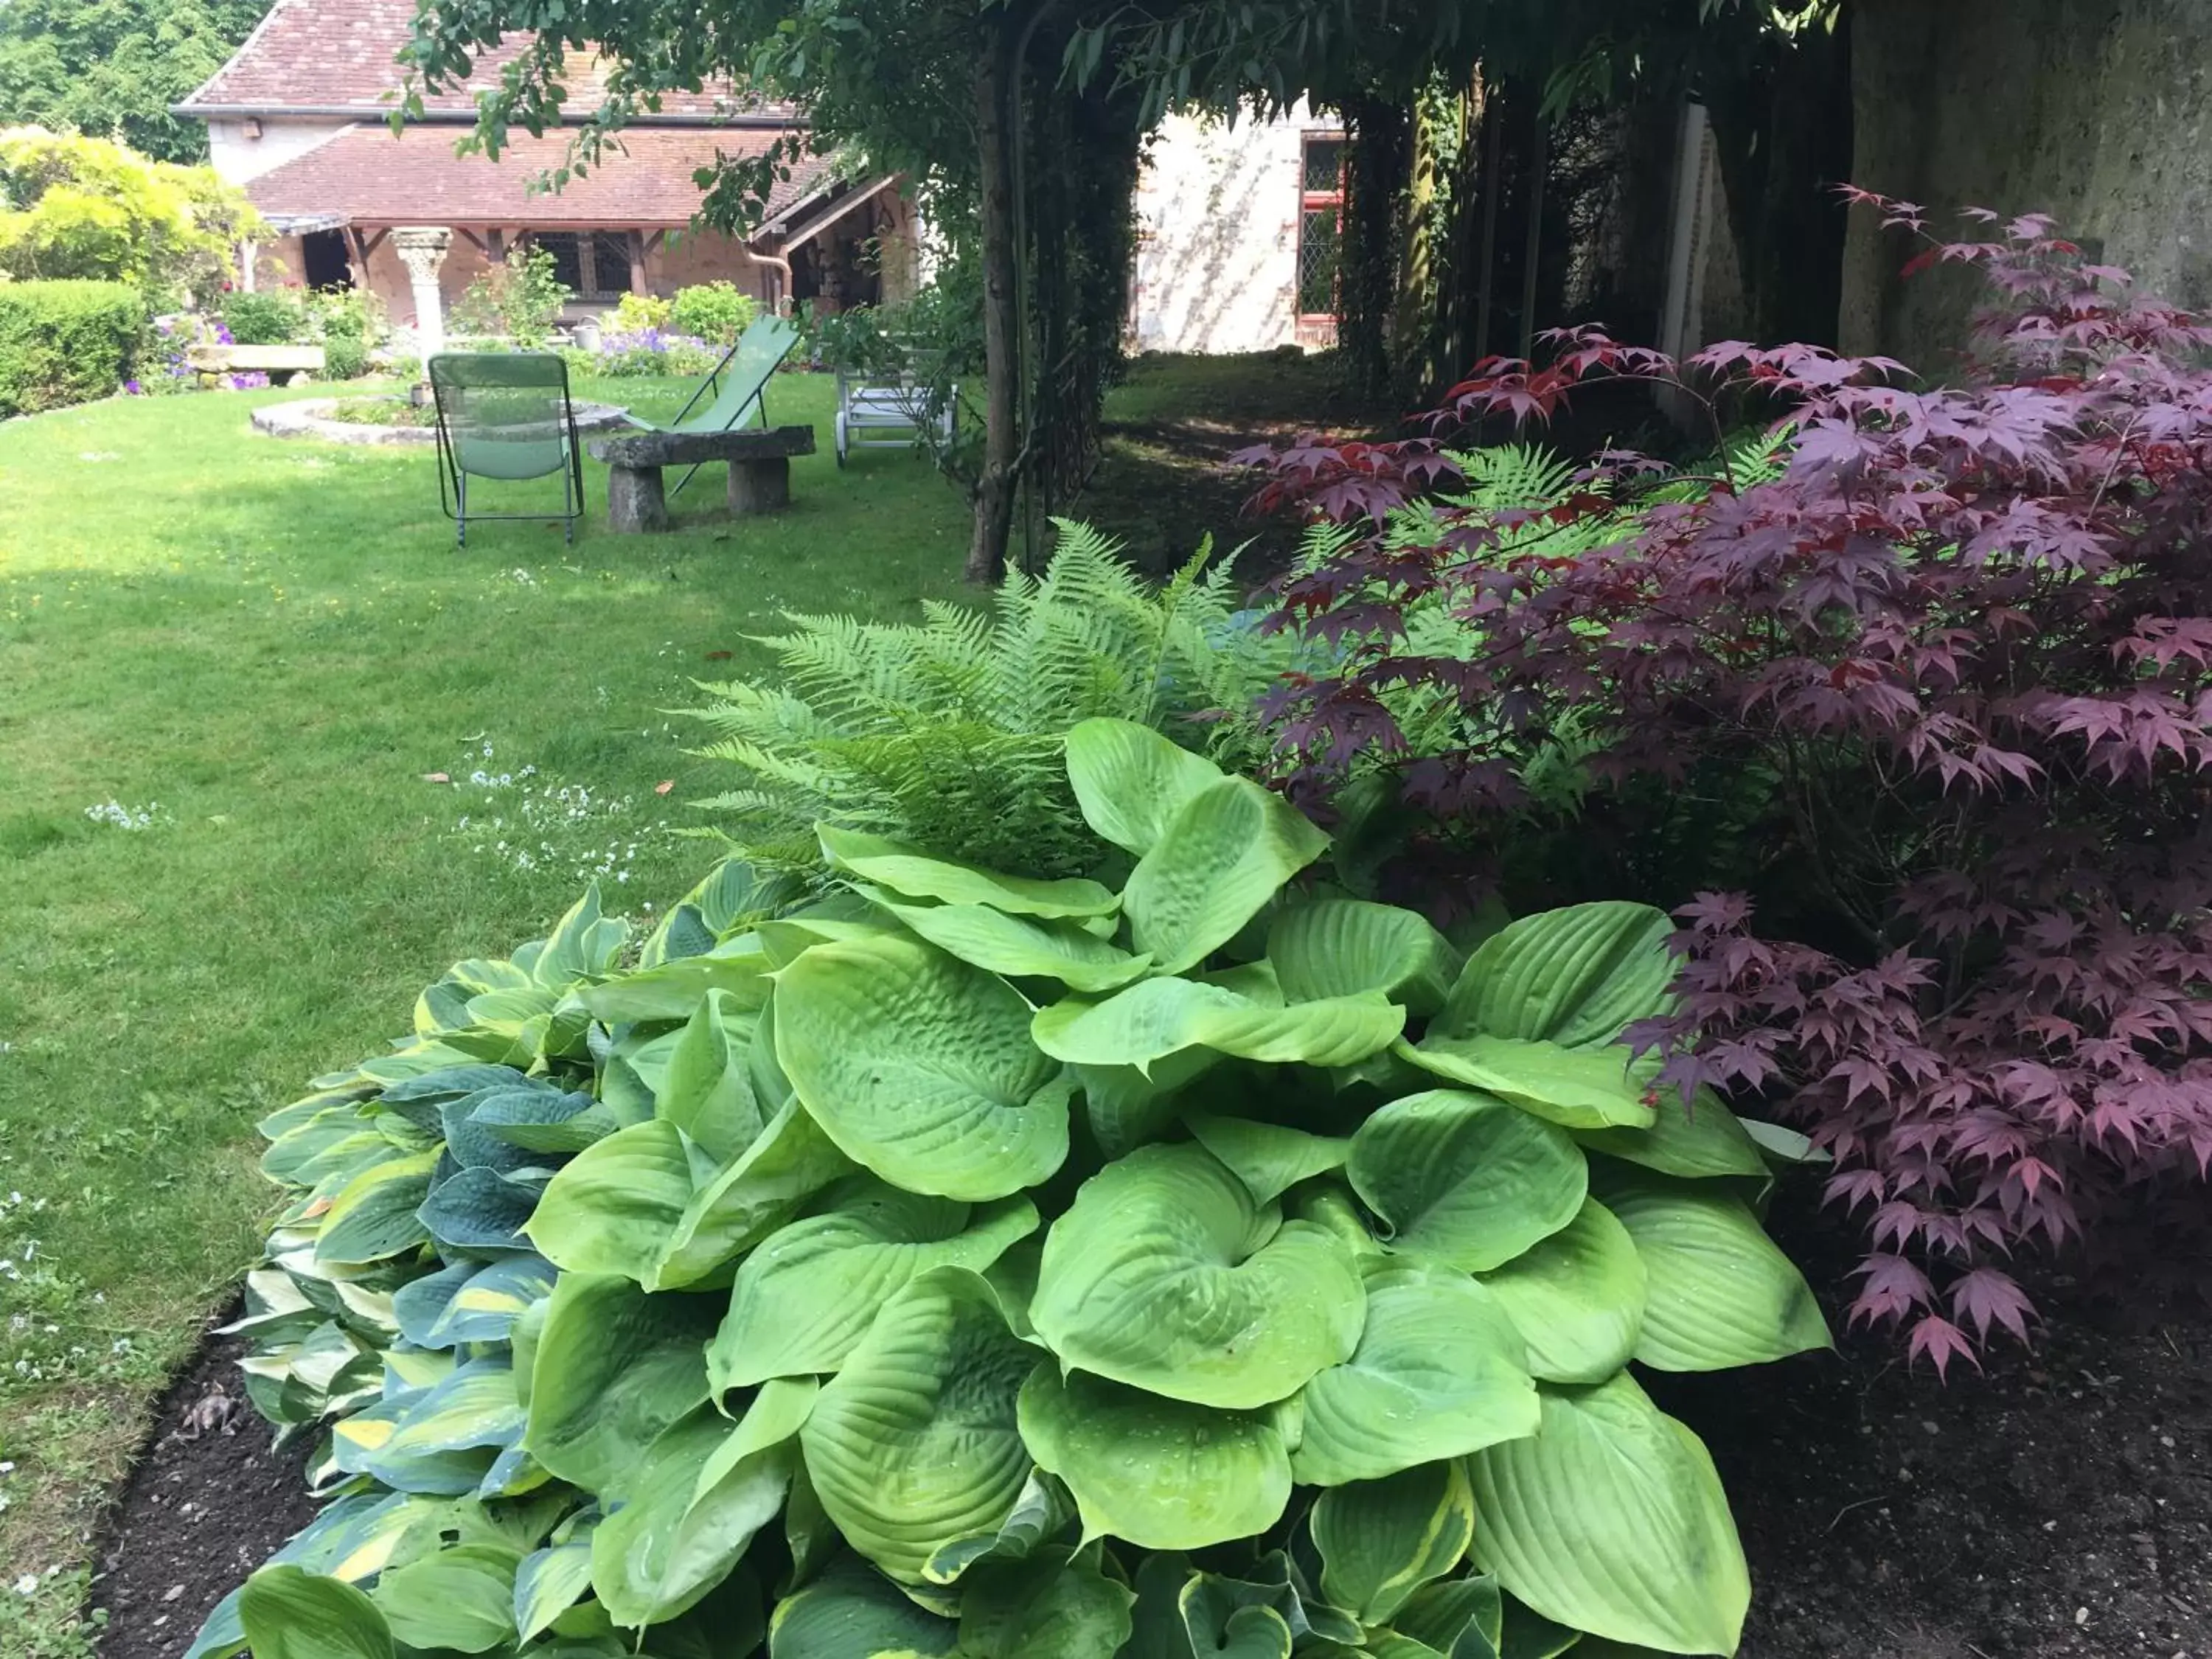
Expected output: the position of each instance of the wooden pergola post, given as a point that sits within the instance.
(636, 240)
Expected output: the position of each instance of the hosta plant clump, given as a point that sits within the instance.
(1173, 1259)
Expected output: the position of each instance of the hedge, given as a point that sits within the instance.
(65, 342)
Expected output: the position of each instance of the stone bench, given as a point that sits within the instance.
(279, 362)
(760, 469)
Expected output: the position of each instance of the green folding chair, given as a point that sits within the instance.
(736, 387)
(507, 415)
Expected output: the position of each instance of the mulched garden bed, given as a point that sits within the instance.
(2059, 1505)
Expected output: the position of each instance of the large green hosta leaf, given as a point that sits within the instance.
(1162, 1020)
(672, 988)
(1158, 1472)
(1466, 1179)
(914, 1443)
(1218, 862)
(1341, 947)
(1702, 1141)
(1131, 782)
(1439, 1373)
(806, 1296)
(1610, 1519)
(708, 1091)
(1381, 1540)
(1575, 1088)
(921, 1068)
(851, 1613)
(1057, 1601)
(1018, 946)
(790, 1162)
(1577, 1298)
(460, 1600)
(288, 1612)
(1266, 1158)
(1721, 1294)
(613, 1368)
(918, 875)
(613, 1207)
(1165, 1274)
(1573, 976)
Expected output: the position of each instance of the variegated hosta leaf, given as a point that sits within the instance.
(1381, 1540)
(910, 874)
(1575, 1088)
(1439, 1372)
(552, 1580)
(921, 1068)
(375, 1217)
(1217, 861)
(460, 1600)
(1158, 1472)
(1164, 1274)
(1720, 1293)
(913, 1444)
(469, 1301)
(790, 1162)
(1610, 1519)
(1159, 1020)
(1461, 1617)
(1577, 1298)
(612, 1368)
(1131, 782)
(1020, 947)
(1057, 1601)
(807, 1294)
(1466, 1178)
(1043, 1508)
(1341, 947)
(850, 1611)
(1573, 976)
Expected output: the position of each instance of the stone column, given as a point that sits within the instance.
(422, 249)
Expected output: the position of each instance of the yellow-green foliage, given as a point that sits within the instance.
(73, 207)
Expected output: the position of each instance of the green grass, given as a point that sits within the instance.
(275, 642)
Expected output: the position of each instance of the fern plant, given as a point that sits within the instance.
(948, 733)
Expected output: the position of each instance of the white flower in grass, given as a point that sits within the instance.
(27, 1584)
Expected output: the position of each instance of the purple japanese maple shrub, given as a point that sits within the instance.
(1964, 642)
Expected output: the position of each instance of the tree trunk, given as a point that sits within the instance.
(995, 484)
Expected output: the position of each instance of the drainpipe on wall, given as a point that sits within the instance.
(775, 261)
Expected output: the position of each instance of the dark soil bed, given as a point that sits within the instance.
(208, 1502)
(2059, 1505)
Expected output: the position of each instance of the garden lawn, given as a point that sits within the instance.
(226, 665)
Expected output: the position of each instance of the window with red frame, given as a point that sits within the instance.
(1320, 223)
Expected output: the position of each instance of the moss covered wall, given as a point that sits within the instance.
(2099, 112)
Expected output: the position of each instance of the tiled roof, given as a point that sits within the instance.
(371, 177)
(338, 54)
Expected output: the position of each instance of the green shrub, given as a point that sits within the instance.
(635, 312)
(715, 312)
(263, 318)
(66, 341)
(345, 357)
(521, 298)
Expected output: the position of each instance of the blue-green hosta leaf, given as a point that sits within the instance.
(615, 1206)
(1575, 1088)
(480, 1210)
(807, 1294)
(551, 1581)
(375, 1217)
(913, 1444)
(473, 1146)
(692, 1506)
(1381, 1540)
(1573, 976)
(473, 1405)
(1217, 864)
(707, 1089)
(460, 1600)
(921, 1068)
(1043, 1508)
(852, 1612)
(1720, 1293)
(1783, 1146)
(1166, 1275)
(1160, 1473)
(612, 1368)
(1266, 1158)
(1463, 1618)
(1439, 1373)
(418, 1098)
(910, 874)
(1527, 1634)
(1610, 1519)
(1016, 946)
(361, 1439)
(1577, 1298)
(1465, 1178)
(288, 1612)
(1341, 947)
(1160, 1020)
(790, 1162)
(1057, 1601)
(673, 989)
(543, 1121)
(1701, 1141)
(486, 1308)
(421, 1303)
(1131, 782)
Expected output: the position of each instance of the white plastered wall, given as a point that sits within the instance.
(237, 157)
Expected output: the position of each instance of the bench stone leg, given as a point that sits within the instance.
(762, 486)
(635, 500)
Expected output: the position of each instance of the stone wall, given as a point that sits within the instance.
(2099, 112)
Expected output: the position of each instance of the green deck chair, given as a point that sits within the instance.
(505, 415)
(736, 387)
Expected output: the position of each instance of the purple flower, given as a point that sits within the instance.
(222, 335)
(133, 389)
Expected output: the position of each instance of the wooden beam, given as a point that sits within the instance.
(636, 240)
(652, 242)
(472, 238)
(494, 245)
(375, 242)
(357, 258)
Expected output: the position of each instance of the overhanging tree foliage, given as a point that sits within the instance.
(113, 68)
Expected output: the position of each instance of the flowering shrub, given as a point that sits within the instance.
(167, 369)
(649, 351)
(1954, 666)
